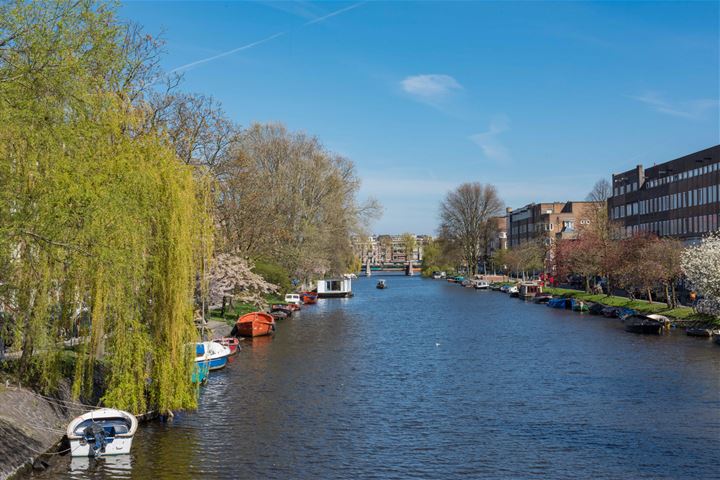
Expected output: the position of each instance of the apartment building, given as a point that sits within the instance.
(679, 198)
(547, 221)
(499, 240)
(386, 249)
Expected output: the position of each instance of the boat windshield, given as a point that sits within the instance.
(113, 426)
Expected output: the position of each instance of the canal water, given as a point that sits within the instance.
(427, 379)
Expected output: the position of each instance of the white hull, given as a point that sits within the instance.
(119, 428)
(119, 446)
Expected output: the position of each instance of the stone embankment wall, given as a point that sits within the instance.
(29, 426)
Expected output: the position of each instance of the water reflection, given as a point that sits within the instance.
(111, 466)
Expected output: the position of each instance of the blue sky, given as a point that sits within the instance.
(541, 99)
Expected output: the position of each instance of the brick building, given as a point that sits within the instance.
(547, 221)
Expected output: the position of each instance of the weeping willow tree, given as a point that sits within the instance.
(103, 230)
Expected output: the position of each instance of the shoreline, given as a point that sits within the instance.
(32, 426)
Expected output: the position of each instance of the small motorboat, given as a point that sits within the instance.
(231, 342)
(542, 297)
(596, 309)
(702, 332)
(622, 313)
(556, 303)
(105, 431)
(514, 291)
(280, 313)
(642, 324)
(381, 285)
(309, 298)
(285, 306)
(579, 306)
(562, 302)
(213, 353)
(254, 324)
(293, 299)
(481, 285)
(610, 312)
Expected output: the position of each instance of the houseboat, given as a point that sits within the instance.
(104, 431)
(254, 324)
(529, 289)
(334, 288)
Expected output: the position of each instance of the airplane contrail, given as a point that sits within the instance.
(264, 40)
(229, 52)
(332, 14)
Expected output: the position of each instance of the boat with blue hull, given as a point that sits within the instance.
(215, 354)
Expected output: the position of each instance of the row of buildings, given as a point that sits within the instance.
(390, 249)
(679, 198)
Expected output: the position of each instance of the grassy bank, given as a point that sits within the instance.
(683, 314)
(239, 308)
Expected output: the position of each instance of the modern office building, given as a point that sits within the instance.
(547, 221)
(679, 198)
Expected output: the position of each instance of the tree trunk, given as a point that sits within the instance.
(668, 300)
(674, 295)
(649, 294)
(587, 284)
(222, 309)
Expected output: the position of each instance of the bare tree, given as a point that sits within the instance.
(466, 217)
(601, 191)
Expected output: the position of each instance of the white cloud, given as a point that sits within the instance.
(430, 88)
(488, 141)
(685, 109)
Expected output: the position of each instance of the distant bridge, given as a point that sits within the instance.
(391, 267)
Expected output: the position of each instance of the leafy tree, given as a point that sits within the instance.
(284, 197)
(274, 274)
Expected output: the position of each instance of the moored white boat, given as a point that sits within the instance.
(105, 431)
(293, 298)
(481, 285)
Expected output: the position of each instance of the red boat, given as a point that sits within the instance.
(308, 298)
(255, 324)
(286, 306)
(231, 342)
